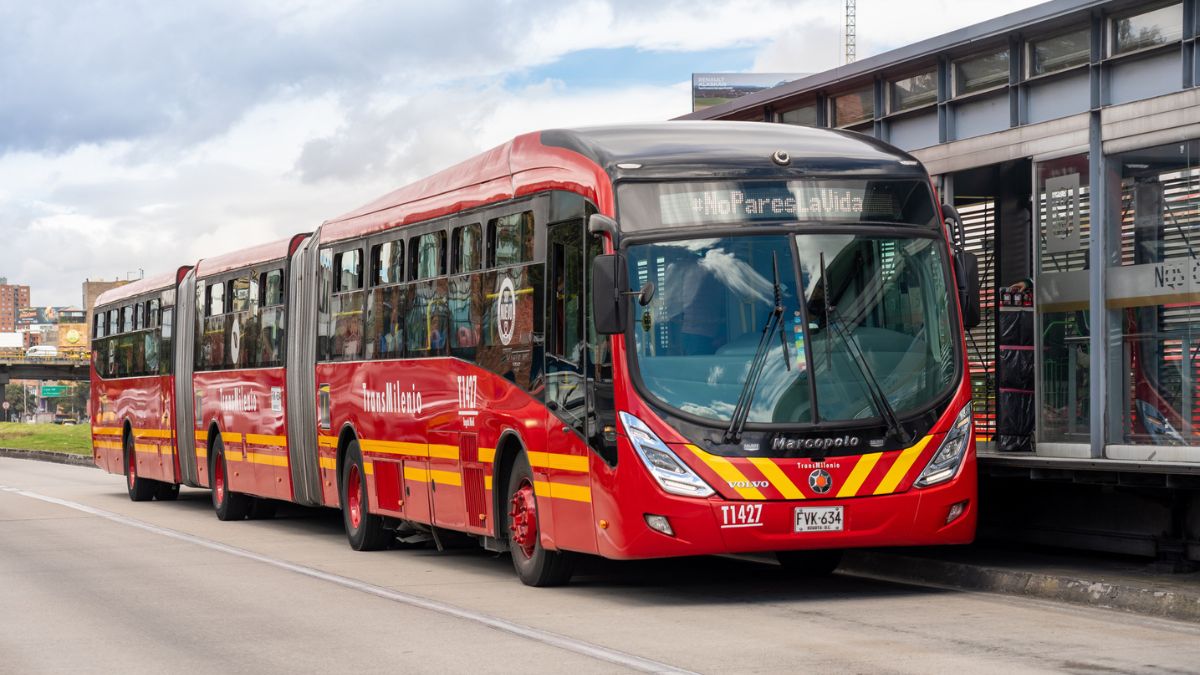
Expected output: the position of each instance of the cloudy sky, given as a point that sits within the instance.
(141, 134)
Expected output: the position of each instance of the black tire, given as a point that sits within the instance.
(227, 504)
(262, 509)
(538, 566)
(166, 492)
(140, 489)
(818, 563)
(365, 531)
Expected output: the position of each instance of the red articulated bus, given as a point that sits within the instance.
(641, 341)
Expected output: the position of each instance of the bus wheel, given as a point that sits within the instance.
(166, 492)
(140, 489)
(262, 509)
(364, 530)
(228, 504)
(817, 563)
(535, 565)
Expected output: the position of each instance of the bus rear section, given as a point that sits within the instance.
(133, 399)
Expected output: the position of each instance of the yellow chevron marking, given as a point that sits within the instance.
(901, 467)
(553, 460)
(728, 472)
(862, 469)
(264, 439)
(771, 471)
(487, 455)
(575, 493)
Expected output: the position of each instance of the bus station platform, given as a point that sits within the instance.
(1110, 581)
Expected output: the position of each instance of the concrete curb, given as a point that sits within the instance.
(48, 456)
(1172, 604)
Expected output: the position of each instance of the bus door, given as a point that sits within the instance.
(567, 458)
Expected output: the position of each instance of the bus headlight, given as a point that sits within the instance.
(946, 460)
(668, 470)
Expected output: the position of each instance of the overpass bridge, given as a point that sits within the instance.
(21, 367)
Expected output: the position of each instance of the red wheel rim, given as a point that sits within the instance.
(354, 497)
(219, 479)
(131, 473)
(523, 518)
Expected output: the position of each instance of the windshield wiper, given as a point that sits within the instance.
(741, 411)
(874, 389)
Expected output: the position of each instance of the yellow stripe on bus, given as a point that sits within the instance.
(152, 433)
(107, 445)
(201, 435)
(575, 493)
(269, 460)
(106, 431)
(862, 469)
(771, 471)
(443, 451)
(487, 455)
(231, 437)
(394, 448)
(327, 463)
(487, 482)
(901, 467)
(264, 439)
(553, 460)
(728, 472)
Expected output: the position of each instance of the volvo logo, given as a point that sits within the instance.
(820, 481)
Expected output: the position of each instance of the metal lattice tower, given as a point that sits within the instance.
(850, 40)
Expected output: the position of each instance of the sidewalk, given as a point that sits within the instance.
(1097, 580)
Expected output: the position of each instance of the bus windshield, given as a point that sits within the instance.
(694, 343)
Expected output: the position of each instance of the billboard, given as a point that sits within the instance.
(32, 316)
(72, 336)
(709, 89)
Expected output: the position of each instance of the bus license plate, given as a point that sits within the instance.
(819, 519)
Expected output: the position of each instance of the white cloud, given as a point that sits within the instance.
(146, 134)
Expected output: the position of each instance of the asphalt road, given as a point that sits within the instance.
(91, 582)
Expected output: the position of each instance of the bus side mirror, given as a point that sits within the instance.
(954, 226)
(610, 305)
(967, 272)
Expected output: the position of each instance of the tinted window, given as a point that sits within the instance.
(272, 285)
(427, 255)
(981, 72)
(1156, 27)
(216, 299)
(387, 263)
(511, 239)
(348, 268)
(465, 253)
(1059, 52)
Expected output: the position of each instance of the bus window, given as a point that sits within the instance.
(239, 294)
(216, 300)
(464, 249)
(152, 314)
(348, 265)
(272, 285)
(510, 239)
(126, 319)
(387, 263)
(347, 306)
(137, 316)
(427, 253)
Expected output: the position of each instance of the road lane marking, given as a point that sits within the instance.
(564, 642)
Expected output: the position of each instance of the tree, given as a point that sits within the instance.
(17, 407)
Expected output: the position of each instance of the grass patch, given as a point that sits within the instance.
(72, 439)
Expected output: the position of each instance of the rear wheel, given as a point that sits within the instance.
(535, 565)
(364, 530)
(140, 489)
(229, 505)
(817, 563)
(166, 492)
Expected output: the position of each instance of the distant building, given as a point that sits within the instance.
(12, 298)
(91, 291)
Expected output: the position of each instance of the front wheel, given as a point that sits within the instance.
(140, 489)
(535, 565)
(365, 531)
(818, 563)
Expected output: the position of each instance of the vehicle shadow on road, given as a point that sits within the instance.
(703, 580)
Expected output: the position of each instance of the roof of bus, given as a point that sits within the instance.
(587, 160)
(275, 250)
(158, 282)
